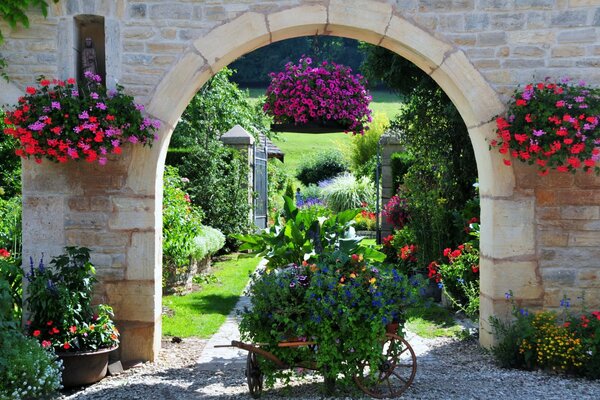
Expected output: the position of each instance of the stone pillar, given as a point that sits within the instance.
(390, 144)
(238, 138)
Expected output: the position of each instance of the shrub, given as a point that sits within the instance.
(346, 192)
(11, 275)
(10, 224)
(328, 92)
(208, 242)
(220, 188)
(321, 166)
(27, 371)
(182, 222)
(363, 151)
(400, 163)
(277, 178)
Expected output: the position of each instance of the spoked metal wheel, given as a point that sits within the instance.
(394, 373)
(254, 376)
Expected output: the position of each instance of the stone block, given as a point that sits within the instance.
(132, 214)
(90, 238)
(547, 213)
(583, 3)
(244, 34)
(137, 11)
(588, 278)
(581, 239)
(569, 18)
(143, 258)
(173, 93)
(569, 257)
(529, 4)
(507, 228)
(350, 18)
(166, 48)
(567, 51)
(529, 51)
(298, 21)
(86, 220)
(553, 239)
(171, 11)
(477, 22)
(138, 340)
(453, 5)
(134, 300)
(43, 221)
(495, 5)
(530, 37)
(522, 277)
(580, 212)
(139, 32)
(507, 21)
(586, 35)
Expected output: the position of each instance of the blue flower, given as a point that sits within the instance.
(507, 295)
(524, 312)
(440, 285)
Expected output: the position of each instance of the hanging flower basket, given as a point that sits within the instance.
(61, 122)
(323, 98)
(553, 125)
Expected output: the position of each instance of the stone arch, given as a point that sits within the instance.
(379, 24)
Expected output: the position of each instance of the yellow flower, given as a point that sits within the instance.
(372, 280)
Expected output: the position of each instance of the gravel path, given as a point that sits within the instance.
(448, 369)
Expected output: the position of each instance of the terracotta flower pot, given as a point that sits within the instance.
(84, 368)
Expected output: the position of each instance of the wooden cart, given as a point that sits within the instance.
(392, 376)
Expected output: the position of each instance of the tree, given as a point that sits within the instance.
(215, 109)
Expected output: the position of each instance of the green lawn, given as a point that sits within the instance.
(432, 321)
(201, 313)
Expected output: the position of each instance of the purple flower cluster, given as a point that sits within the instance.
(328, 92)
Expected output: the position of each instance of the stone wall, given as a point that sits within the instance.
(538, 235)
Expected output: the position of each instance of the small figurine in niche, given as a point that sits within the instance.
(88, 57)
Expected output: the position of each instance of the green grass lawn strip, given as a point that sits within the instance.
(201, 313)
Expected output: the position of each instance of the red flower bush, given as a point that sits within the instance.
(328, 92)
(61, 122)
(553, 125)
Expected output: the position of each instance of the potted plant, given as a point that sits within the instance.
(322, 98)
(61, 316)
(553, 125)
(60, 121)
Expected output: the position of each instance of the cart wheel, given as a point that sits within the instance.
(254, 376)
(395, 372)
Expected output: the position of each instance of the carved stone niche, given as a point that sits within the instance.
(90, 41)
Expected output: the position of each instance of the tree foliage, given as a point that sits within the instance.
(216, 108)
(253, 68)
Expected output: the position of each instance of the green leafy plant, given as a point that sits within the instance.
(59, 299)
(11, 276)
(346, 192)
(363, 151)
(300, 234)
(321, 166)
